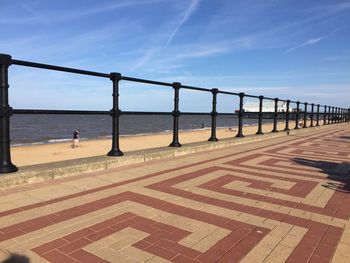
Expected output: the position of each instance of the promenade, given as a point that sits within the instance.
(281, 200)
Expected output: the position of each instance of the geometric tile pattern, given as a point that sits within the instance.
(282, 200)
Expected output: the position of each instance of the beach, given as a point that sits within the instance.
(53, 152)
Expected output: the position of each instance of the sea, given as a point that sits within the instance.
(29, 129)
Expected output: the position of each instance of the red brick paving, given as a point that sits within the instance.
(150, 202)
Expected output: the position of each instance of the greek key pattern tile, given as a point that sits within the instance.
(282, 200)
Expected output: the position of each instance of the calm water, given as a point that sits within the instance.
(52, 128)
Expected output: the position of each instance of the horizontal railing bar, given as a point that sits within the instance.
(227, 113)
(73, 112)
(251, 96)
(195, 88)
(227, 92)
(145, 113)
(58, 68)
(94, 112)
(147, 81)
(196, 113)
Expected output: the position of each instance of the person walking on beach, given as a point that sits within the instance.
(75, 139)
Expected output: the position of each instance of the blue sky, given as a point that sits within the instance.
(279, 48)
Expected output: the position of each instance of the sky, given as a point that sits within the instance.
(290, 49)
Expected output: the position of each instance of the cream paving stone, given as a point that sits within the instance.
(157, 260)
(277, 174)
(99, 244)
(323, 198)
(135, 253)
(117, 241)
(256, 160)
(86, 184)
(212, 238)
(109, 254)
(265, 246)
(279, 254)
(294, 236)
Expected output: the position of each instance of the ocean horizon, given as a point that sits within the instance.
(31, 129)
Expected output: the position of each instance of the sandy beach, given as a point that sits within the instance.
(46, 153)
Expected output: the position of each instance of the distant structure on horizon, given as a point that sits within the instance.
(268, 106)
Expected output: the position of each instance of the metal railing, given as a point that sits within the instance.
(329, 115)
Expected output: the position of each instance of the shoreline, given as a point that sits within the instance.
(105, 137)
(61, 151)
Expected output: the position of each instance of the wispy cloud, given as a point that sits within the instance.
(309, 42)
(151, 52)
(337, 58)
(188, 13)
(106, 8)
(36, 15)
(71, 14)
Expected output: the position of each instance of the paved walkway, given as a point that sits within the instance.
(282, 200)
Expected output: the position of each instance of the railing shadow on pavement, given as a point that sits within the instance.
(339, 172)
(16, 258)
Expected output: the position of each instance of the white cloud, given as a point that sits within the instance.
(188, 13)
(150, 53)
(308, 42)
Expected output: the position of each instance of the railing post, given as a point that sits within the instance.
(335, 115)
(333, 119)
(275, 116)
(6, 166)
(115, 113)
(297, 116)
(176, 114)
(325, 115)
(312, 115)
(318, 115)
(305, 115)
(338, 115)
(214, 114)
(287, 117)
(240, 116)
(260, 132)
(329, 115)
(348, 114)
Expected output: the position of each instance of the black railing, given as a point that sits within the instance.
(333, 115)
